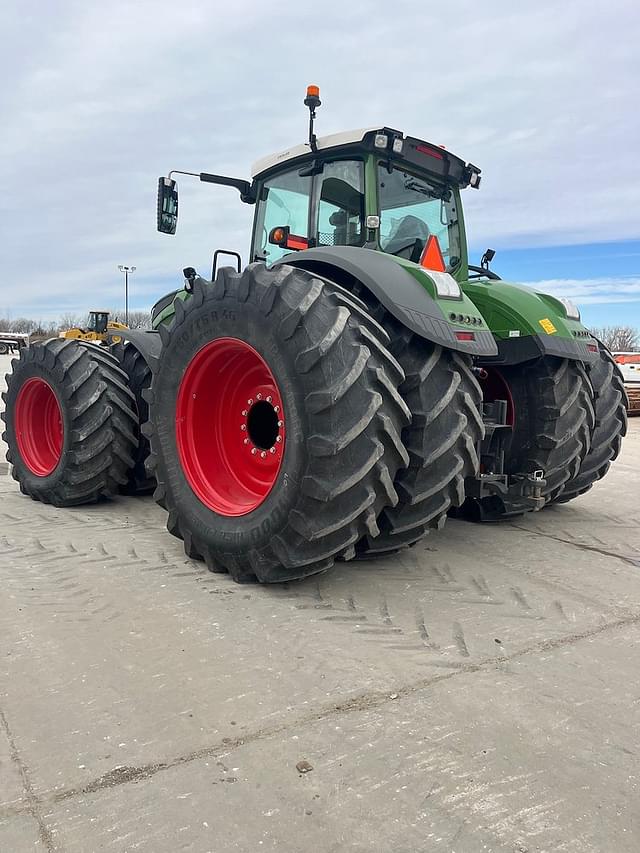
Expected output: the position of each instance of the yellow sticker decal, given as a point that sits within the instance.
(548, 326)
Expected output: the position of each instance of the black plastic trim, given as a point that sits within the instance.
(245, 188)
(528, 347)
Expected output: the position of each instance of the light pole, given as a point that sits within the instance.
(126, 270)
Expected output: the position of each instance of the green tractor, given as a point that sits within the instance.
(355, 384)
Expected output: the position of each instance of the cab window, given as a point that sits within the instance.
(284, 200)
(411, 210)
(340, 204)
(97, 322)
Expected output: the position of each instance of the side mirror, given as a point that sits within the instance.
(167, 205)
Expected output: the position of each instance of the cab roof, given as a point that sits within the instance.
(395, 145)
(334, 140)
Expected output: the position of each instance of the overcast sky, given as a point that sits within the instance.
(98, 99)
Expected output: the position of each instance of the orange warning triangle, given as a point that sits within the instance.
(431, 257)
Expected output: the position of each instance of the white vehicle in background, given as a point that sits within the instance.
(12, 342)
(629, 364)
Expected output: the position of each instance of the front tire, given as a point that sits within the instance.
(265, 494)
(610, 428)
(550, 408)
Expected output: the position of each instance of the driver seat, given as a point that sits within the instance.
(409, 228)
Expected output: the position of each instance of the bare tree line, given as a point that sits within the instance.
(616, 338)
(42, 328)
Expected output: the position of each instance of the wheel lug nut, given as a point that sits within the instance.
(249, 401)
(246, 441)
(269, 398)
(243, 427)
(278, 438)
(272, 450)
(280, 423)
(254, 451)
(263, 454)
(276, 409)
(258, 396)
(245, 413)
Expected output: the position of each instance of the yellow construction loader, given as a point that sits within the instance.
(98, 324)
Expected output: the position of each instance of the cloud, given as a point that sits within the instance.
(594, 291)
(100, 99)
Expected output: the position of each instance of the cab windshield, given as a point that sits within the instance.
(412, 209)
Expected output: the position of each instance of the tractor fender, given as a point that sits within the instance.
(400, 292)
(147, 343)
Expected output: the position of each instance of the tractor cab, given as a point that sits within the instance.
(97, 322)
(372, 188)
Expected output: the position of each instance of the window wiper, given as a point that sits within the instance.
(416, 186)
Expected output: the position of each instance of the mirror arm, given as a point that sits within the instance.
(243, 187)
(246, 190)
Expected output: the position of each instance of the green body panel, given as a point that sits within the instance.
(371, 186)
(509, 308)
(167, 313)
(461, 272)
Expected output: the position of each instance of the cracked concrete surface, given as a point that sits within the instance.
(478, 693)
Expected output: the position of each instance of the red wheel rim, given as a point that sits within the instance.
(38, 426)
(494, 387)
(230, 427)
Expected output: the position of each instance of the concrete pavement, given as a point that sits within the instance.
(478, 693)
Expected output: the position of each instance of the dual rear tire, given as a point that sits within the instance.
(138, 374)
(70, 423)
(442, 441)
(275, 424)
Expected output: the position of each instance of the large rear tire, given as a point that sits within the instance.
(139, 379)
(611, 426)
(275, 423)
(550, 408)
(70, 423)
(445, 399)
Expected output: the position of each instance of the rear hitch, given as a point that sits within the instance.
(493, 494)
(491, 497)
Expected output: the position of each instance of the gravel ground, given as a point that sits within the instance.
(478, 693)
